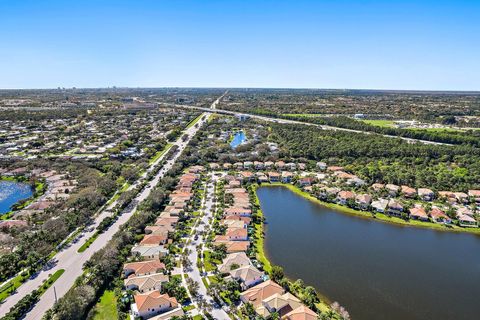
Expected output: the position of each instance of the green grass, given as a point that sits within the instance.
(380, 123)
(188, 308)
(205, 283)
(160, 153)
(306, 115)
(7, 289)
(259, 243)
(194, 121)
(198, 317)
(88, 243)
(47, 284)
(435, 129)
(106, 307)
(208, 262)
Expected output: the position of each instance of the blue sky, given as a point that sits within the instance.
(424, 45)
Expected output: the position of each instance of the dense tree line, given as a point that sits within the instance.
(451, 137)
(380, 159)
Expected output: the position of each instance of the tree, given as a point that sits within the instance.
(277, 273)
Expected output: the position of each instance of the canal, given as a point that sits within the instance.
(375, 270)
(11, 192)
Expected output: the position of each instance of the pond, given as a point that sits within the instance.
(375, 270)
(238, 139)
(11, 192)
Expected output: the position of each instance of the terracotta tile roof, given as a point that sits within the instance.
(152, 300)
(260, 292)
(153, 239)
(301, 313)
(144, 267)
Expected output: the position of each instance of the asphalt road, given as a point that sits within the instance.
(286, 121)
(72, 261)
(194, 272)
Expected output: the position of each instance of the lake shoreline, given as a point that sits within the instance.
(331, 281)
(37, 191)
(262, 253)
(371, 216)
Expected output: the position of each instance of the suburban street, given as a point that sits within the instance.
(194, 272)
(71, 260)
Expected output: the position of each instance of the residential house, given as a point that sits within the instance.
(152, 303)
(146, 283)
(380, 205)
(255, 295)
(418, 213)
(394, 208)
(363, 201)
(287, 176)
(438, 216)
(321, 166)
(280, 165)
(279, 303)
(143, 268)
(344, 196)
(258, 165)
(409, 192)
(291, 166)
(301, 313)
(306, 181)
(377, 187)
(274, 176)
(154, 239)
(247, 275)
(464, 220)
(392, 189)
(461, 197)
(425, 194)
(238, 211)
(233, 261)
(268, 164)
(475, 194)
(150, 252)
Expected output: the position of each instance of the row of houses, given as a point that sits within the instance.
(147, 276)
(384, 198)
(266, 296)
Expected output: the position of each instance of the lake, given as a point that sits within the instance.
(238, 139)
(375, 270)
(11, 192)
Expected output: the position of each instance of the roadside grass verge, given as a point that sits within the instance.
(47, 284)
(88, 243)
(194, 121)
(7, 289)
(160, 153)
(306, 115)
(380, 123)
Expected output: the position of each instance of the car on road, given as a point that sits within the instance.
(196, 237)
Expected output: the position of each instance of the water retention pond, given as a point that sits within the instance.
(375, 270)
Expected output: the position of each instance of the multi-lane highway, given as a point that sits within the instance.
(286, 121)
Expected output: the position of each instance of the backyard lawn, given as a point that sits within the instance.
(106, 308)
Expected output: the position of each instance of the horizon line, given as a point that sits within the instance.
(237, 88)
